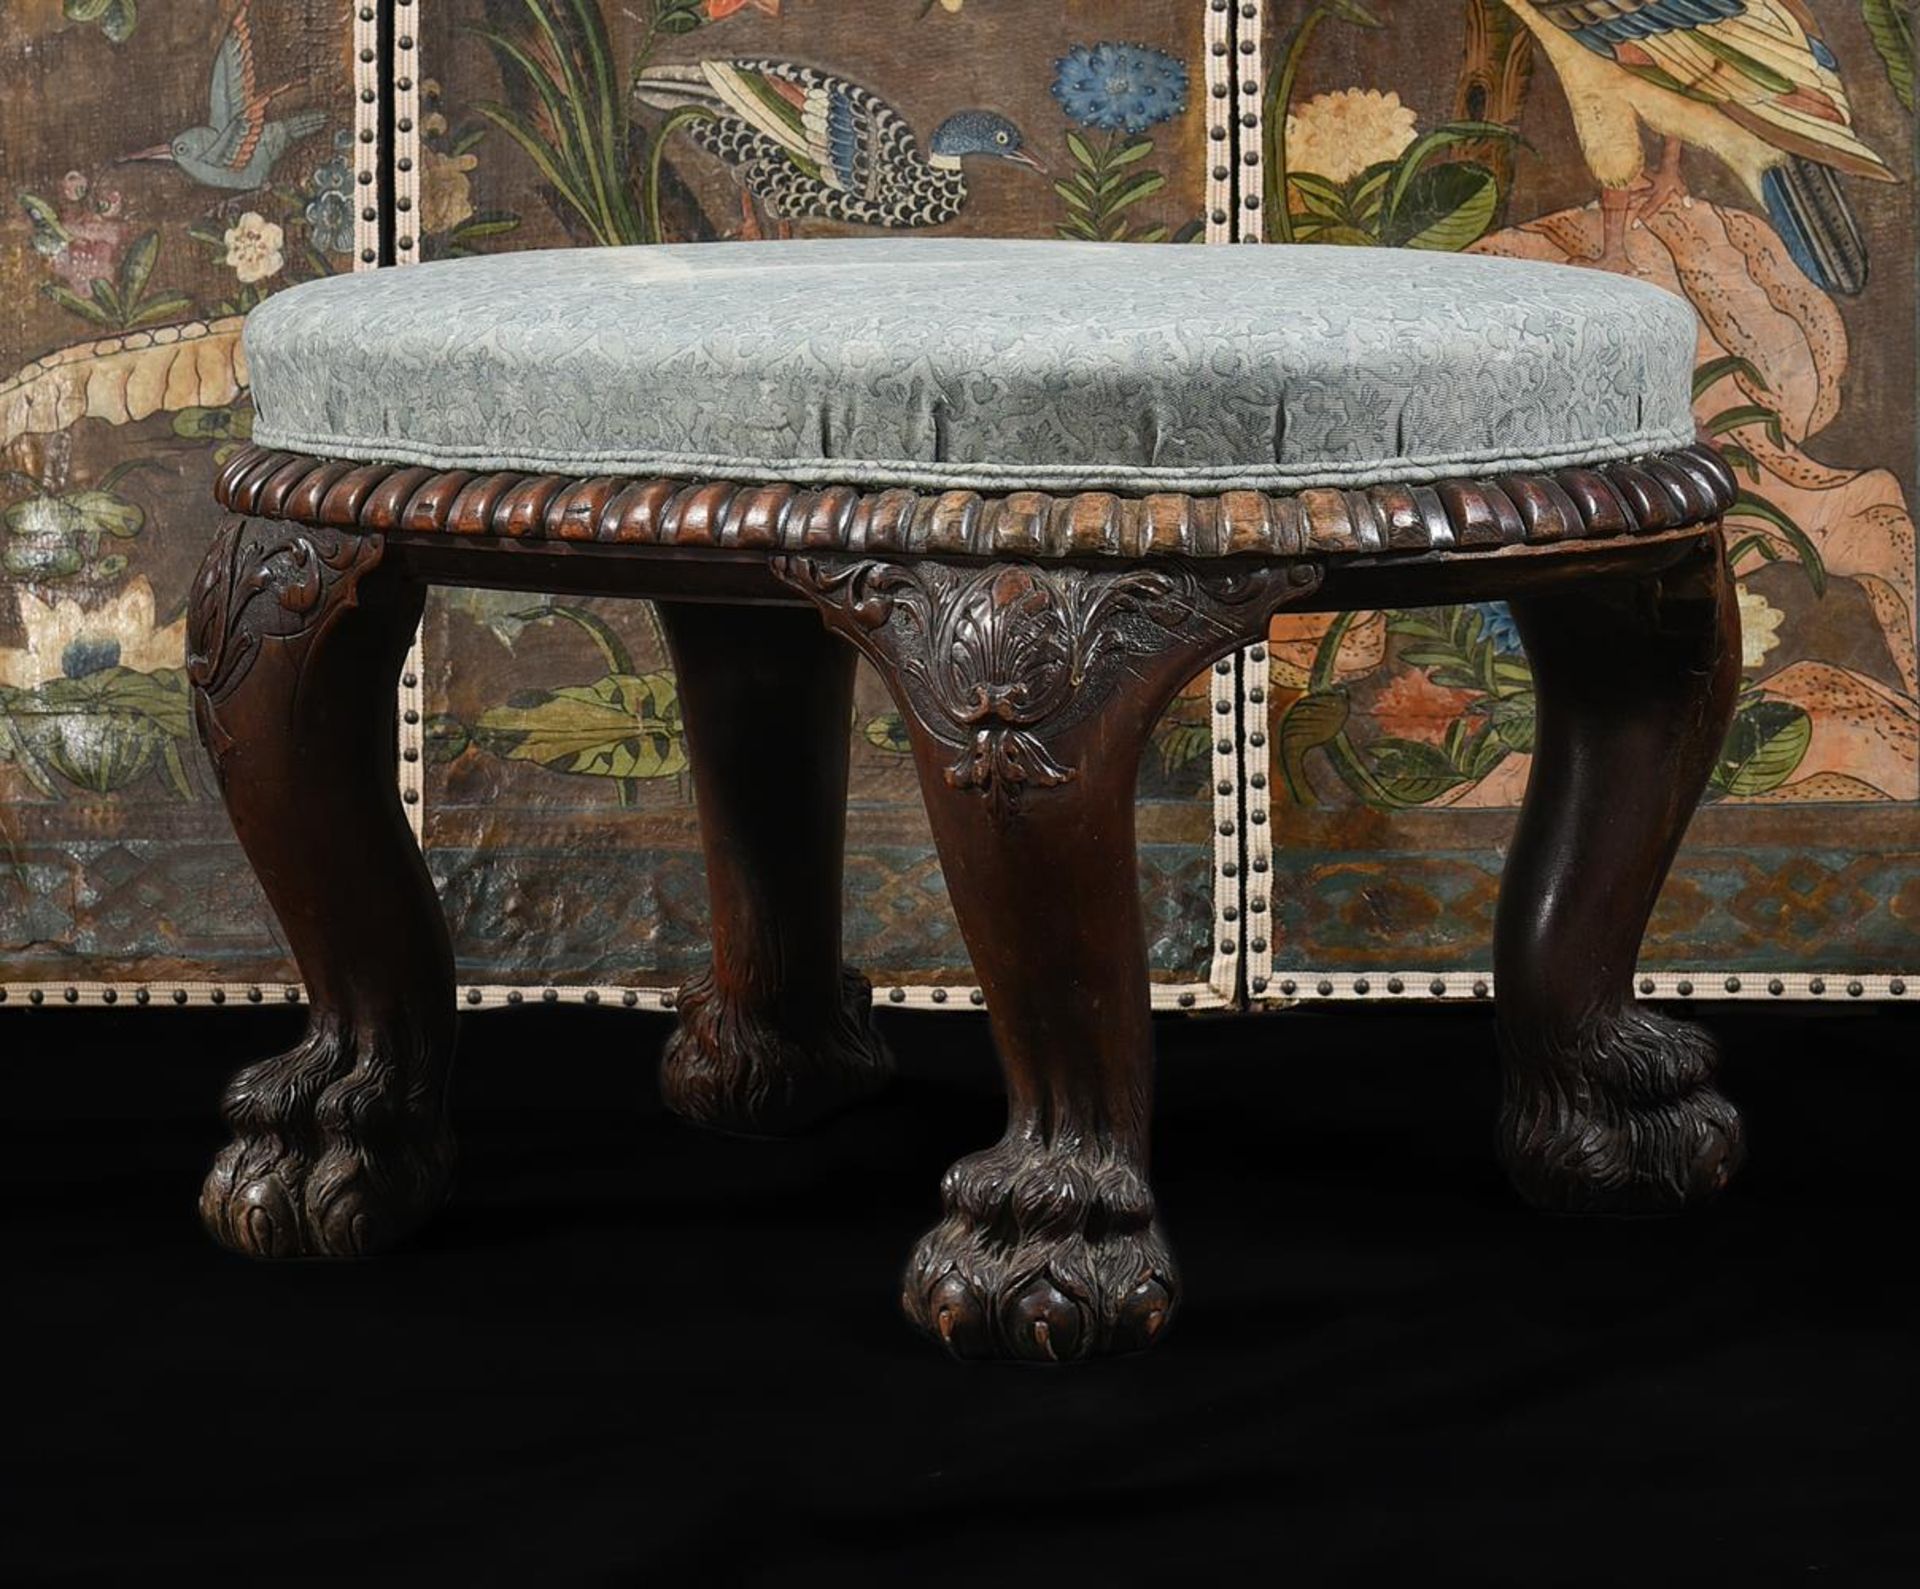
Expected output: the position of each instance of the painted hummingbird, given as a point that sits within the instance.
(239, 146)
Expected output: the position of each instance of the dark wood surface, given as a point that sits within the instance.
(340, 1147)
(776, 1033)
(1028, 694)
(1030, 643)
(1610, 1108)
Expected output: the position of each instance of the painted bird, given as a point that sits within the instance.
(808, 145)
(1750, 81)
(239, 146)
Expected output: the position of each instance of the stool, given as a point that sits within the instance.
(1040, 486)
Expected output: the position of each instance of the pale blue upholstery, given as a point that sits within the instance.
(992, 365)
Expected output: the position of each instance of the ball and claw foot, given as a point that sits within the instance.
(1042, 1257)
(325, 1162)
(731, 1069)
(1628, 1124)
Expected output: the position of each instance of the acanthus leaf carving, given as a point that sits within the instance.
(1000, 661)
(265, 584)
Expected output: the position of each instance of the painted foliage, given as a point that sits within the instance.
(165, 167)
(1754, 156)
(557, 768)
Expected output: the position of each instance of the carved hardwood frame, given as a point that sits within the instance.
(1031, 641)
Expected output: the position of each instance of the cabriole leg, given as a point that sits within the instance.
(776, 1033)
(341, 1145)
(1610, 1108)
(1029, 693)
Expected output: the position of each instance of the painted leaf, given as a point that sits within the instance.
(1414, 773)
(625, 725)
(1768, 740)
(104, 730)
(888, 732)
(1891, 24)
(108, 513)
(226, 423)
(116, 17)
(1182, 744)
(1311, 721)
(1511, 719)
(1445, 208)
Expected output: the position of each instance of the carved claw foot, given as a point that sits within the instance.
(1630, 1123)
(1044, 1255)
(330, 1159)
(733, 1069)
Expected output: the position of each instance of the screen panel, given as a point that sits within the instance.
(1390, 750)
(555, 767)
(130, 252)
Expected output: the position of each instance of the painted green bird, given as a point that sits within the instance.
(239, 146)
(1750, 81)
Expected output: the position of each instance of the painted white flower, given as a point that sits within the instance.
(64, 639)
(1759, 627)
(253, 247)
(1338, 135)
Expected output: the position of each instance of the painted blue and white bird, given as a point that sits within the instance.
(239, 146)
(1750, 81)
(809, 145)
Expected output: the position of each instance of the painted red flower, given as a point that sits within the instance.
(1412, 706)
(717, 9)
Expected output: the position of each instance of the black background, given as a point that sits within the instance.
(631, 1352)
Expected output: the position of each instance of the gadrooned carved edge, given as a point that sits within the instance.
(1666, 491)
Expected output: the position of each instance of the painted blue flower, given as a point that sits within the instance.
(330, 221)
(1496, 623)
(330, 208)
(333, 177)
(1120, 87)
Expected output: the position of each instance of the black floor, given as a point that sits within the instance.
(634, 1353)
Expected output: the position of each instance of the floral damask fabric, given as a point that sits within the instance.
(955, 363)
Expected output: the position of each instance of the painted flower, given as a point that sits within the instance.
(1338, 135)
(1760, 624)
(86, 244)
(254, 247)
(330, 218)
(1120, 87)
(333, 177)
(66, 640)
(330, 209)
(1496, 623)
(1412, 706)
(446, 194)
(330, 223)
(716, 9)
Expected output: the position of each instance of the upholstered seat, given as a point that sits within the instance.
(991, 365)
